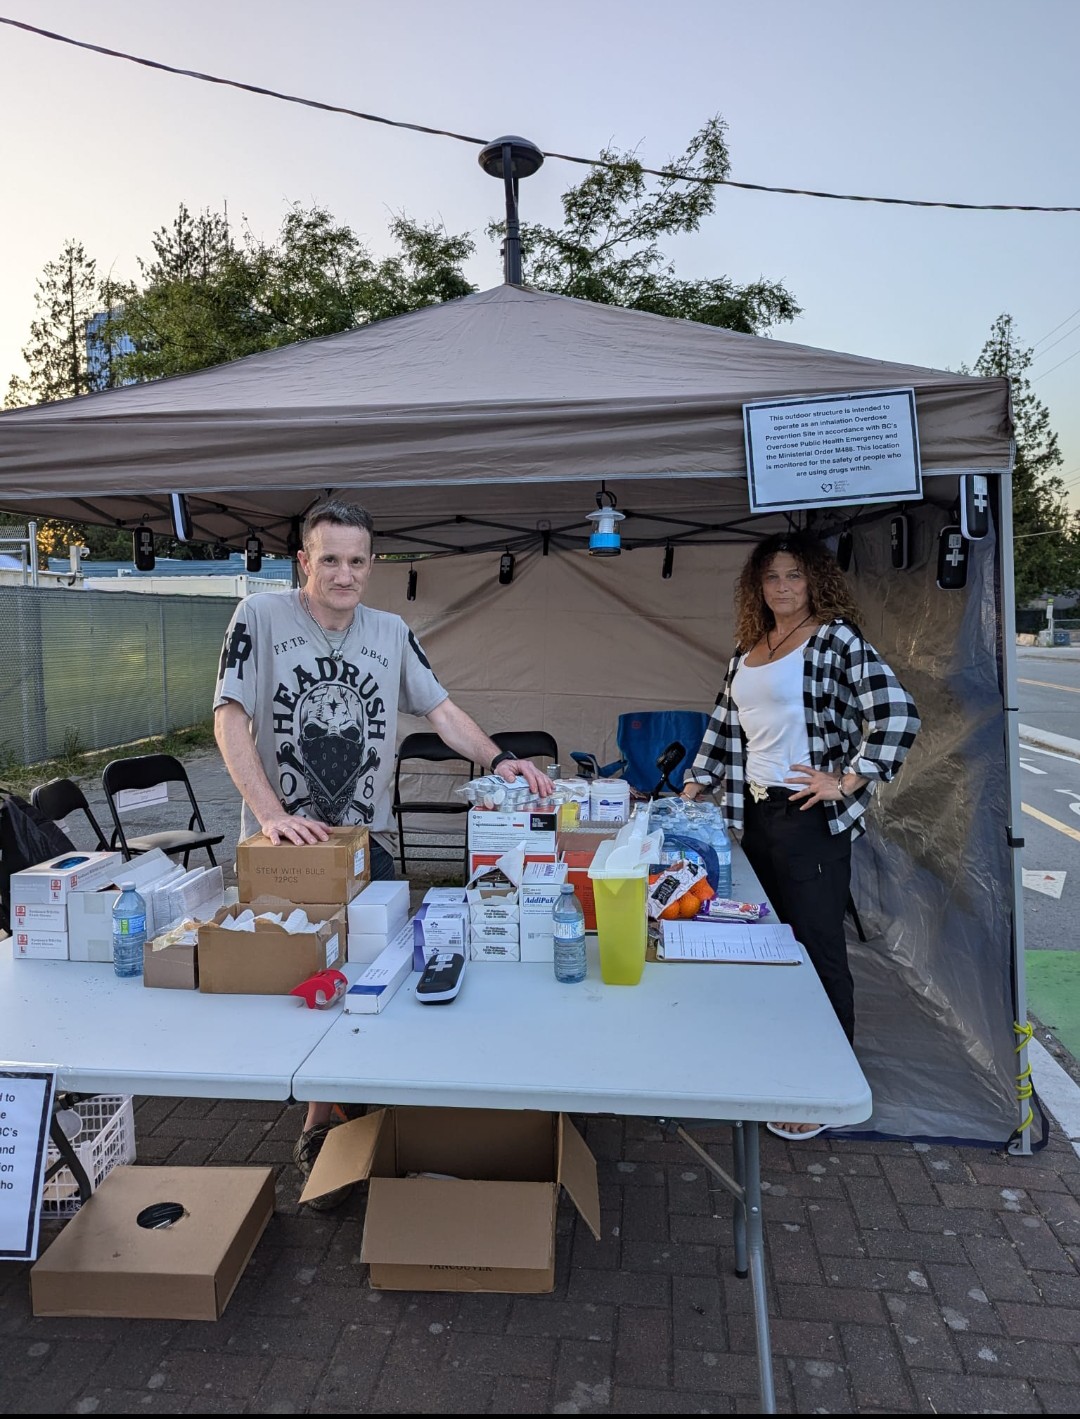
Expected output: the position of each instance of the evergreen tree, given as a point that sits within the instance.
(66, 299)
(1046, 535)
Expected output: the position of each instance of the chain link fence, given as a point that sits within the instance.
(102, 668)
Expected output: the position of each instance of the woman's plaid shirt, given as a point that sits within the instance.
(858, 717)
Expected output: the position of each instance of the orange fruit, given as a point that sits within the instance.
(671, 912)
(689, 905)
(702, 890)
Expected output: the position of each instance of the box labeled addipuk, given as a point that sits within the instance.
(52, 881)
(104, 1263)
(541, 887)
(333, 871)
(491, 1225)
(268, 960)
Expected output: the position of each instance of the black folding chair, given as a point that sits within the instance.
(429, 748)
(148, 771)
(61, 797)
(528, 743)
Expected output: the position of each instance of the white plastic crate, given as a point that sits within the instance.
(107, 1138)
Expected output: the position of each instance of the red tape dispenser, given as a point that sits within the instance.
(321, 990)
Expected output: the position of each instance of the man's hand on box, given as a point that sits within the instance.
(537, 780)
(285, 828)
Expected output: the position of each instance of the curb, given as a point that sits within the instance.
(1046, 740)
(1058, 1093)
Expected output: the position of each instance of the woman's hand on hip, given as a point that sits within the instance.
(814, 785)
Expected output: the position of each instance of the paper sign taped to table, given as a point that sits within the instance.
(755, 945)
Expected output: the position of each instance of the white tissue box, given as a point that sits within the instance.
(381, 909)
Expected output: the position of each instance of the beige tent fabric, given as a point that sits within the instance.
(503, 402)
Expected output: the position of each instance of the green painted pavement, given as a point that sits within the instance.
(1053, 993)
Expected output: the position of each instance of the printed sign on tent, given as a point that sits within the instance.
(832, 450)
(26, 1097)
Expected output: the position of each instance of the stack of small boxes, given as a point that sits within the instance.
(39, 900)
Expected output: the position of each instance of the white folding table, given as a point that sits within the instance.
(734, 1043)
(730, 1043)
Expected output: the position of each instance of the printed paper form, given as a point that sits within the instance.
(758, 944)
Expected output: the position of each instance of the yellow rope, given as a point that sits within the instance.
(1024, 1086)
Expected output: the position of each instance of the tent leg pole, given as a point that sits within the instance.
(1022, 1144)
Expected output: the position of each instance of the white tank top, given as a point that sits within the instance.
(769, 699)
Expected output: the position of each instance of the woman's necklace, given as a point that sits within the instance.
(774, 648)
(335, 650)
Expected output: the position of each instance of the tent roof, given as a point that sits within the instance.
(473, 407)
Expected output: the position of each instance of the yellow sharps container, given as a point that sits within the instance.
(620, 876)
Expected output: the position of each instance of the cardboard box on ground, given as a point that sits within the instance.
(112, 1260)
(487, 1223)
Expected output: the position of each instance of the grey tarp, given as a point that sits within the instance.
(491, 420)
(469, 406)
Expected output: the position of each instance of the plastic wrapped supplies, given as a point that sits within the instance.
(295, 923)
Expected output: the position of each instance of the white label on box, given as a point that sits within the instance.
(129, 798)
(495, 950)
(370, 994)
(40, 916)
(494, 931)
(41, 946)
(358, 862)
(333, 950)
(444, 896)
(538, 874)
(495, 911)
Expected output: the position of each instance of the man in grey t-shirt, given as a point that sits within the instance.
(305, 711)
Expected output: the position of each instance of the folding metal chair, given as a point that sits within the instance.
(148, 771)
(528, 743)
(429, 748)
(61, 797)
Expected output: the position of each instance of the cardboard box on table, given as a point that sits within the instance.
(333, 871)
(490, 1226)
(577, 848)
(269, 960)
(173, 967)
(104, 1263)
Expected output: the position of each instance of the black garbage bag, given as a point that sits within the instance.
(27, 837)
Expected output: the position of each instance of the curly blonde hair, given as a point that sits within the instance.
(830, 596)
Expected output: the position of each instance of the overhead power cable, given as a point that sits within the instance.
(670, 172)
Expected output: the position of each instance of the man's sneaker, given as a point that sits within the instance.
(307, 1148)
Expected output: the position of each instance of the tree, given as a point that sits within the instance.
(1046, 536)
(607, 249)
(66, 299)
(207, 298)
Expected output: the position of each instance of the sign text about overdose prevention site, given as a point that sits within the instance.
(832, 450)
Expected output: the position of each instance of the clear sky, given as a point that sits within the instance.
(959, 100)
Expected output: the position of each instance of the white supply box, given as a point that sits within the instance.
(541, 887)
(493, 832)
(380, 909)
(40, 916)
(438, 928)
(493, 899)
(444, 896)
(197, 894)
(376, 987)
(90, 913)
(494, 941)
(40, 945)
(50, 882)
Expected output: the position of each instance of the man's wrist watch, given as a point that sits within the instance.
(501, 759)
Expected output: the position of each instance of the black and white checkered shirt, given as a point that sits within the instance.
(859, 719)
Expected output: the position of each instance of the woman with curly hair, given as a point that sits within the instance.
(810, 719)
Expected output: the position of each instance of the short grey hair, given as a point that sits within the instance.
(338, 514)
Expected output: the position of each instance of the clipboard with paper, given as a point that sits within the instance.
(756, 944)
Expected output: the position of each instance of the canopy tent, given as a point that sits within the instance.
(489, 423)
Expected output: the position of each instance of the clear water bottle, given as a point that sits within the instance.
(721, 843)
(569, 920)
(128, 931)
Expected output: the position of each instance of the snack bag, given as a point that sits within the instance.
(678, 890)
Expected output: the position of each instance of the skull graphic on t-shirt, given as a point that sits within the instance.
(330, 744)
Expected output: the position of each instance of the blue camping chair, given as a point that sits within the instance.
(642, 737)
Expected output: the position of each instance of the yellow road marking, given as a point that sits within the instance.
(1051, 822)
(1049, 685)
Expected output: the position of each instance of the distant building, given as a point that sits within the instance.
(99, 355)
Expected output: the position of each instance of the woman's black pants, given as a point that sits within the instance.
(806, 873)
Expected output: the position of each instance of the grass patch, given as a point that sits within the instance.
(73, 762)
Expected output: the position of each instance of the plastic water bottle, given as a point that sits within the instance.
(722, 844)
(569, 932)
(128, 931)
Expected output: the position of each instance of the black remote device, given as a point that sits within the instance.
(441, 979)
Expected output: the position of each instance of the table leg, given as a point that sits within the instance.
(745, 1187)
